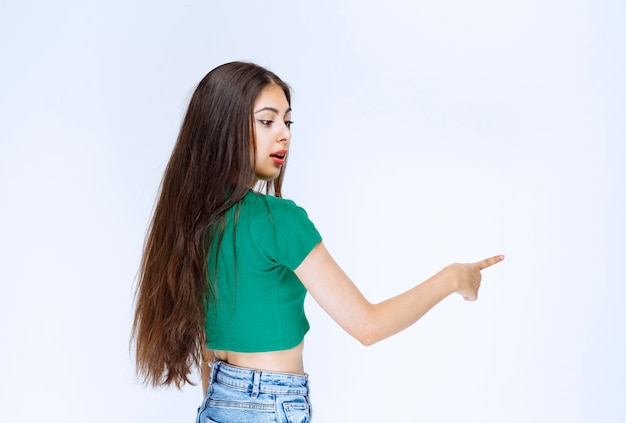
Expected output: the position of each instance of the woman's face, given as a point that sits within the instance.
(272, 123)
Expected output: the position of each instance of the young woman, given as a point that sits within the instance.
(225, 268)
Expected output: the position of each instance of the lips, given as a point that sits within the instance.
(279, 156)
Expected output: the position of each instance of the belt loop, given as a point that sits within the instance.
(256, 384)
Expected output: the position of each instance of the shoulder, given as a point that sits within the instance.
(285, 216)
(273, 204)
(284, 204)
(292, 232)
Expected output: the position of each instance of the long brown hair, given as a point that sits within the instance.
(211, 168)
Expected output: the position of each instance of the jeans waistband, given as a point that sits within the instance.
(259, 381)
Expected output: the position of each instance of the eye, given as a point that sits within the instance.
(288, 123)
(266, 122)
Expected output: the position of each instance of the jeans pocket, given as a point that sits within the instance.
(297, 411)
(201, 419)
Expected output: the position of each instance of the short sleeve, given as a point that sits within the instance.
(294, 232)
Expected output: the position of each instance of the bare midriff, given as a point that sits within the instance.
(284, 361)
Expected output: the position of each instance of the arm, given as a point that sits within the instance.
(369, 323)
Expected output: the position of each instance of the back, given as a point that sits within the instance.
(259, 304)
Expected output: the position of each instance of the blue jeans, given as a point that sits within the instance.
(237, 394)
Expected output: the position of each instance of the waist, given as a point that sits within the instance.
(260, 381)
(283, 361)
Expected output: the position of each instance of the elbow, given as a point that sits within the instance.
(370, 330)
(366, 342)
(368, 336)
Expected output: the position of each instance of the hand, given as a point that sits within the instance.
(468, 276)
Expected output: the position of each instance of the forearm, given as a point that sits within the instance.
(397, 313)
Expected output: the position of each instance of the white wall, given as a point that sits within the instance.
(425, 133)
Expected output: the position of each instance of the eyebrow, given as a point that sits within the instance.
(271, 109)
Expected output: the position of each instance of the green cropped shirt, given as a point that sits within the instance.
(258, 304)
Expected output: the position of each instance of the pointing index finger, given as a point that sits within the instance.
(483, 264)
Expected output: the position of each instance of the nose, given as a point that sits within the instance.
(285, 134)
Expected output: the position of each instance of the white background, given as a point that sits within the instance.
(426, 133)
